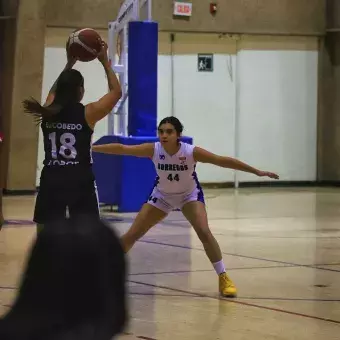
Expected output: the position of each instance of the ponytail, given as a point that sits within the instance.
(67, 92)
(40, 112)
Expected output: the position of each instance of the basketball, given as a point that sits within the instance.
(84, 44)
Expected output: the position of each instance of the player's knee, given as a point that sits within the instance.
(204, 235)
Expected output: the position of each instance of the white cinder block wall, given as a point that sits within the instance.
(259, 104)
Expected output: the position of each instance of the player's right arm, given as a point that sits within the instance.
(143, 150)
(96, 111)
(69, 65)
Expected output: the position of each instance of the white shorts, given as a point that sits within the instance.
(169, 203)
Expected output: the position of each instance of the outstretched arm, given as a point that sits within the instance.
(142, 150)
(204, 156)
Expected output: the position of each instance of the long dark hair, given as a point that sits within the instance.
(73, 286)
(67, 92)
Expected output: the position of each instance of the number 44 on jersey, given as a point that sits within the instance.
(173, 178)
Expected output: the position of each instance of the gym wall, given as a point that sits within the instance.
(288, 57)
(329, 99)
(22, 54)
(259, 103)
(234, 16)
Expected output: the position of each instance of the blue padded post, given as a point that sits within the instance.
(142, 78)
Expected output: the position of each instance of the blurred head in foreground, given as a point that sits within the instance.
(73, 286)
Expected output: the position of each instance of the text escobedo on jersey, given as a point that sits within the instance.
(64, 126)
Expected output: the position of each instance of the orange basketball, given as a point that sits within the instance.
(84, 44)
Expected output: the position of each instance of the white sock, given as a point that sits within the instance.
(219, 267)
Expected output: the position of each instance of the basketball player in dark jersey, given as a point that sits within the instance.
(67, 180)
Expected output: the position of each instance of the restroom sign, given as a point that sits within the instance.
(183, 8)
(205, 63)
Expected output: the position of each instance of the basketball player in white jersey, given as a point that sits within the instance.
(177, 187)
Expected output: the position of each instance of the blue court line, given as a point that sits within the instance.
(279, 237)
(9, 223)
(200, 295)
(287, 299)
(236, 301)
(206, 270)
(21, 222)
(174, 224)
(171, 272)
(165, 295)
(243, 256)
(8, 288)
(229, 269)
(124, 333)
(240, 297)
(327, 264)
(182, 272)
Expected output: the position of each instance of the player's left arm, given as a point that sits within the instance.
(204, 156)
(51, 94)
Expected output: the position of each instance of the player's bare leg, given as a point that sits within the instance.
(148, 217)
(196, 214)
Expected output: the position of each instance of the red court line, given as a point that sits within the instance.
(241, 303)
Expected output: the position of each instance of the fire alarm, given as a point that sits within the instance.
(213, 8)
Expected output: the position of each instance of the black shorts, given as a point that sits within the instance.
(75, 192)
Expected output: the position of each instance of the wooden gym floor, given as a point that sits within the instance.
(281, 246)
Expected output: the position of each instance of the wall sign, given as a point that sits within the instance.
(205, 63)
(183, 8)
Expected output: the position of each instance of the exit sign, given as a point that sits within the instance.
(183, 8)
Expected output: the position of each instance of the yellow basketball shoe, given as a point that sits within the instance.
(226, 286)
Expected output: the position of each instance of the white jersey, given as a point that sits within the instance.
(175, 174)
